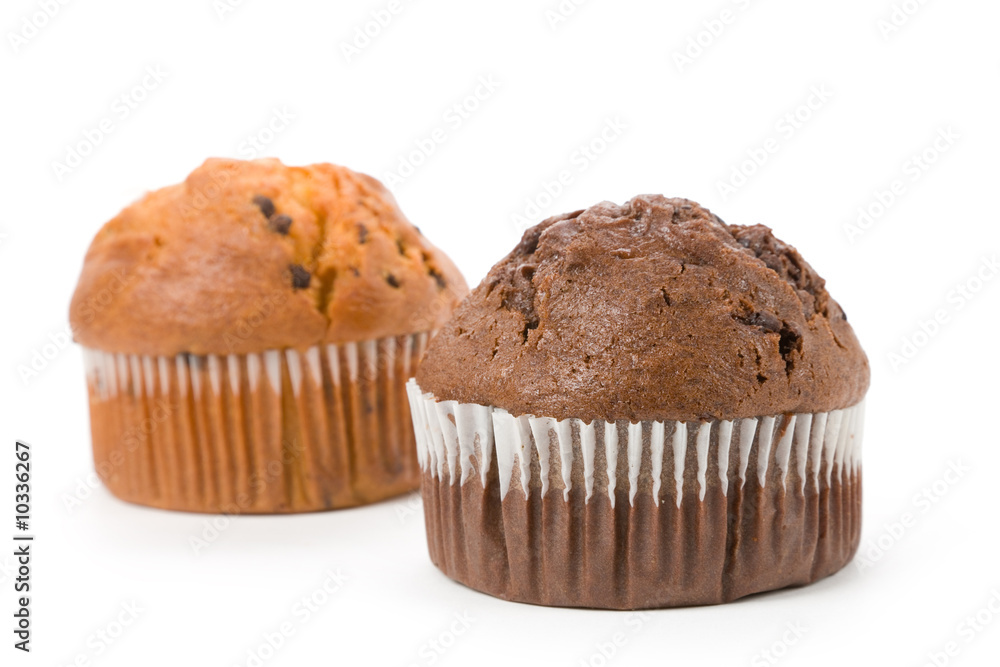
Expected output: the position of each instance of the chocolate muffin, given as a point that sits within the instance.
(642, 406)
(248, 334)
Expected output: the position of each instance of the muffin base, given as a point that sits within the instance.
(691, 539)
(276, 432)
(549, 551)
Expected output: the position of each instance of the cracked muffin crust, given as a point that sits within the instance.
(247, 256)
(655, 309)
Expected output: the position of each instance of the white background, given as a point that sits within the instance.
(887, 94)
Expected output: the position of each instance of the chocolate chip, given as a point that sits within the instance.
(265, 205)
(438, 278)
(789, 343)
(768, 322)
(300, 277)
(355, 271)
(362, 234)
(280, 224)
(391, 279)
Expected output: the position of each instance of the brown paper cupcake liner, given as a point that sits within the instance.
(279, 431)
(626, 515)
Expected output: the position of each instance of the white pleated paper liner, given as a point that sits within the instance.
(631, 515)
(278, 431)
(452, 437)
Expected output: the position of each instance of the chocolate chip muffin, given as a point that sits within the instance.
(642, 406)
(248, 334)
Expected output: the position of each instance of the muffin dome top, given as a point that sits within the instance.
(654, 310)
(247, 256)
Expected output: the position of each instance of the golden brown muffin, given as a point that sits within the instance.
(248, 334)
